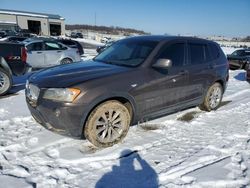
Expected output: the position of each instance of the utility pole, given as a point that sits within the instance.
(95, 18)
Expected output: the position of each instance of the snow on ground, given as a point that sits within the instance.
(86, 40)
(89, 54)
(89, 41)
(190, 148)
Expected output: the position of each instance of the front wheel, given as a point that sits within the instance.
(5, 82)
(213, 98)
(107, 124)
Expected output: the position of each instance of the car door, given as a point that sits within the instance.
(35, 54)
(200, 68)
(164, 88)
(53, 53)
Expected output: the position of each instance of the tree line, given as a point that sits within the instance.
(105, 29)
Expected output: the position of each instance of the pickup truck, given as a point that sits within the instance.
(13, 58)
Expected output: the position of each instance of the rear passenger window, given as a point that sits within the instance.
(214, 51)
(197, 53)
(174, 52)
(36, 46)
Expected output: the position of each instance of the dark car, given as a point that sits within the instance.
(76, 35)
(14, 39)
(239, 59)
(99, 49)
(72, 44)
(136, 79)
(5, 33)
(13, 57)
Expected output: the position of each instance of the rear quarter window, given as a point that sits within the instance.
(53, 46)
(66, 42)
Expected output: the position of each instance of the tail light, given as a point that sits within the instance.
(23, 54)
(78, 52)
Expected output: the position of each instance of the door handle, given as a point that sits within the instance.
(59, 51)
(39, 52)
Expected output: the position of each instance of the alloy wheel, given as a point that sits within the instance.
(109, 126)
(4, 82)
(215, 97)
(108, 123)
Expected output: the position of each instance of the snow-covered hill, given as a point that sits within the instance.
(188, 148)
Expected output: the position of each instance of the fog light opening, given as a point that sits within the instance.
(57, 112)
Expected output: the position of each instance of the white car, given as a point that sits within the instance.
(41, 53)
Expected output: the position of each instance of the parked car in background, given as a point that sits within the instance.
(105, 39)
(239, 59)
(12, 63)
(13, 39)
(5, 33)
(42, 53)
(72, 44)
(99, 49)
(76, 35)
(136, 79)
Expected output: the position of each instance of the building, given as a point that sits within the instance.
(37, 23)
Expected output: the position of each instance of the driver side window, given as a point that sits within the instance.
(174, 52)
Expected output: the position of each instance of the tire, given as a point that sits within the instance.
(5, 81)
(246, 66)
(66, 61)
(102, 131)
(213, 98)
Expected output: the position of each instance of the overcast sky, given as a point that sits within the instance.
(195, 17)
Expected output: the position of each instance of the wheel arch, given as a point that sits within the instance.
(222, 83)
(125, 99)
(4, 65)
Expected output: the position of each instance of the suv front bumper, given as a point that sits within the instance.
(58, 117)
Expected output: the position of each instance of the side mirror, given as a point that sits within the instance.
(162, 64)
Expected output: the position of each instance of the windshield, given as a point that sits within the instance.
(127, 53)
(238, 53)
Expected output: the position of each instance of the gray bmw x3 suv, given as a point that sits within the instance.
(135, 79)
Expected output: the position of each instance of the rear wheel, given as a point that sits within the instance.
(66, 61)
(213, 98)
(5, 81)
(107, 124)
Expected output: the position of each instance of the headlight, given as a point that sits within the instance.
(62, 94)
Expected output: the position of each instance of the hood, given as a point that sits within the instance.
(75, 73)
